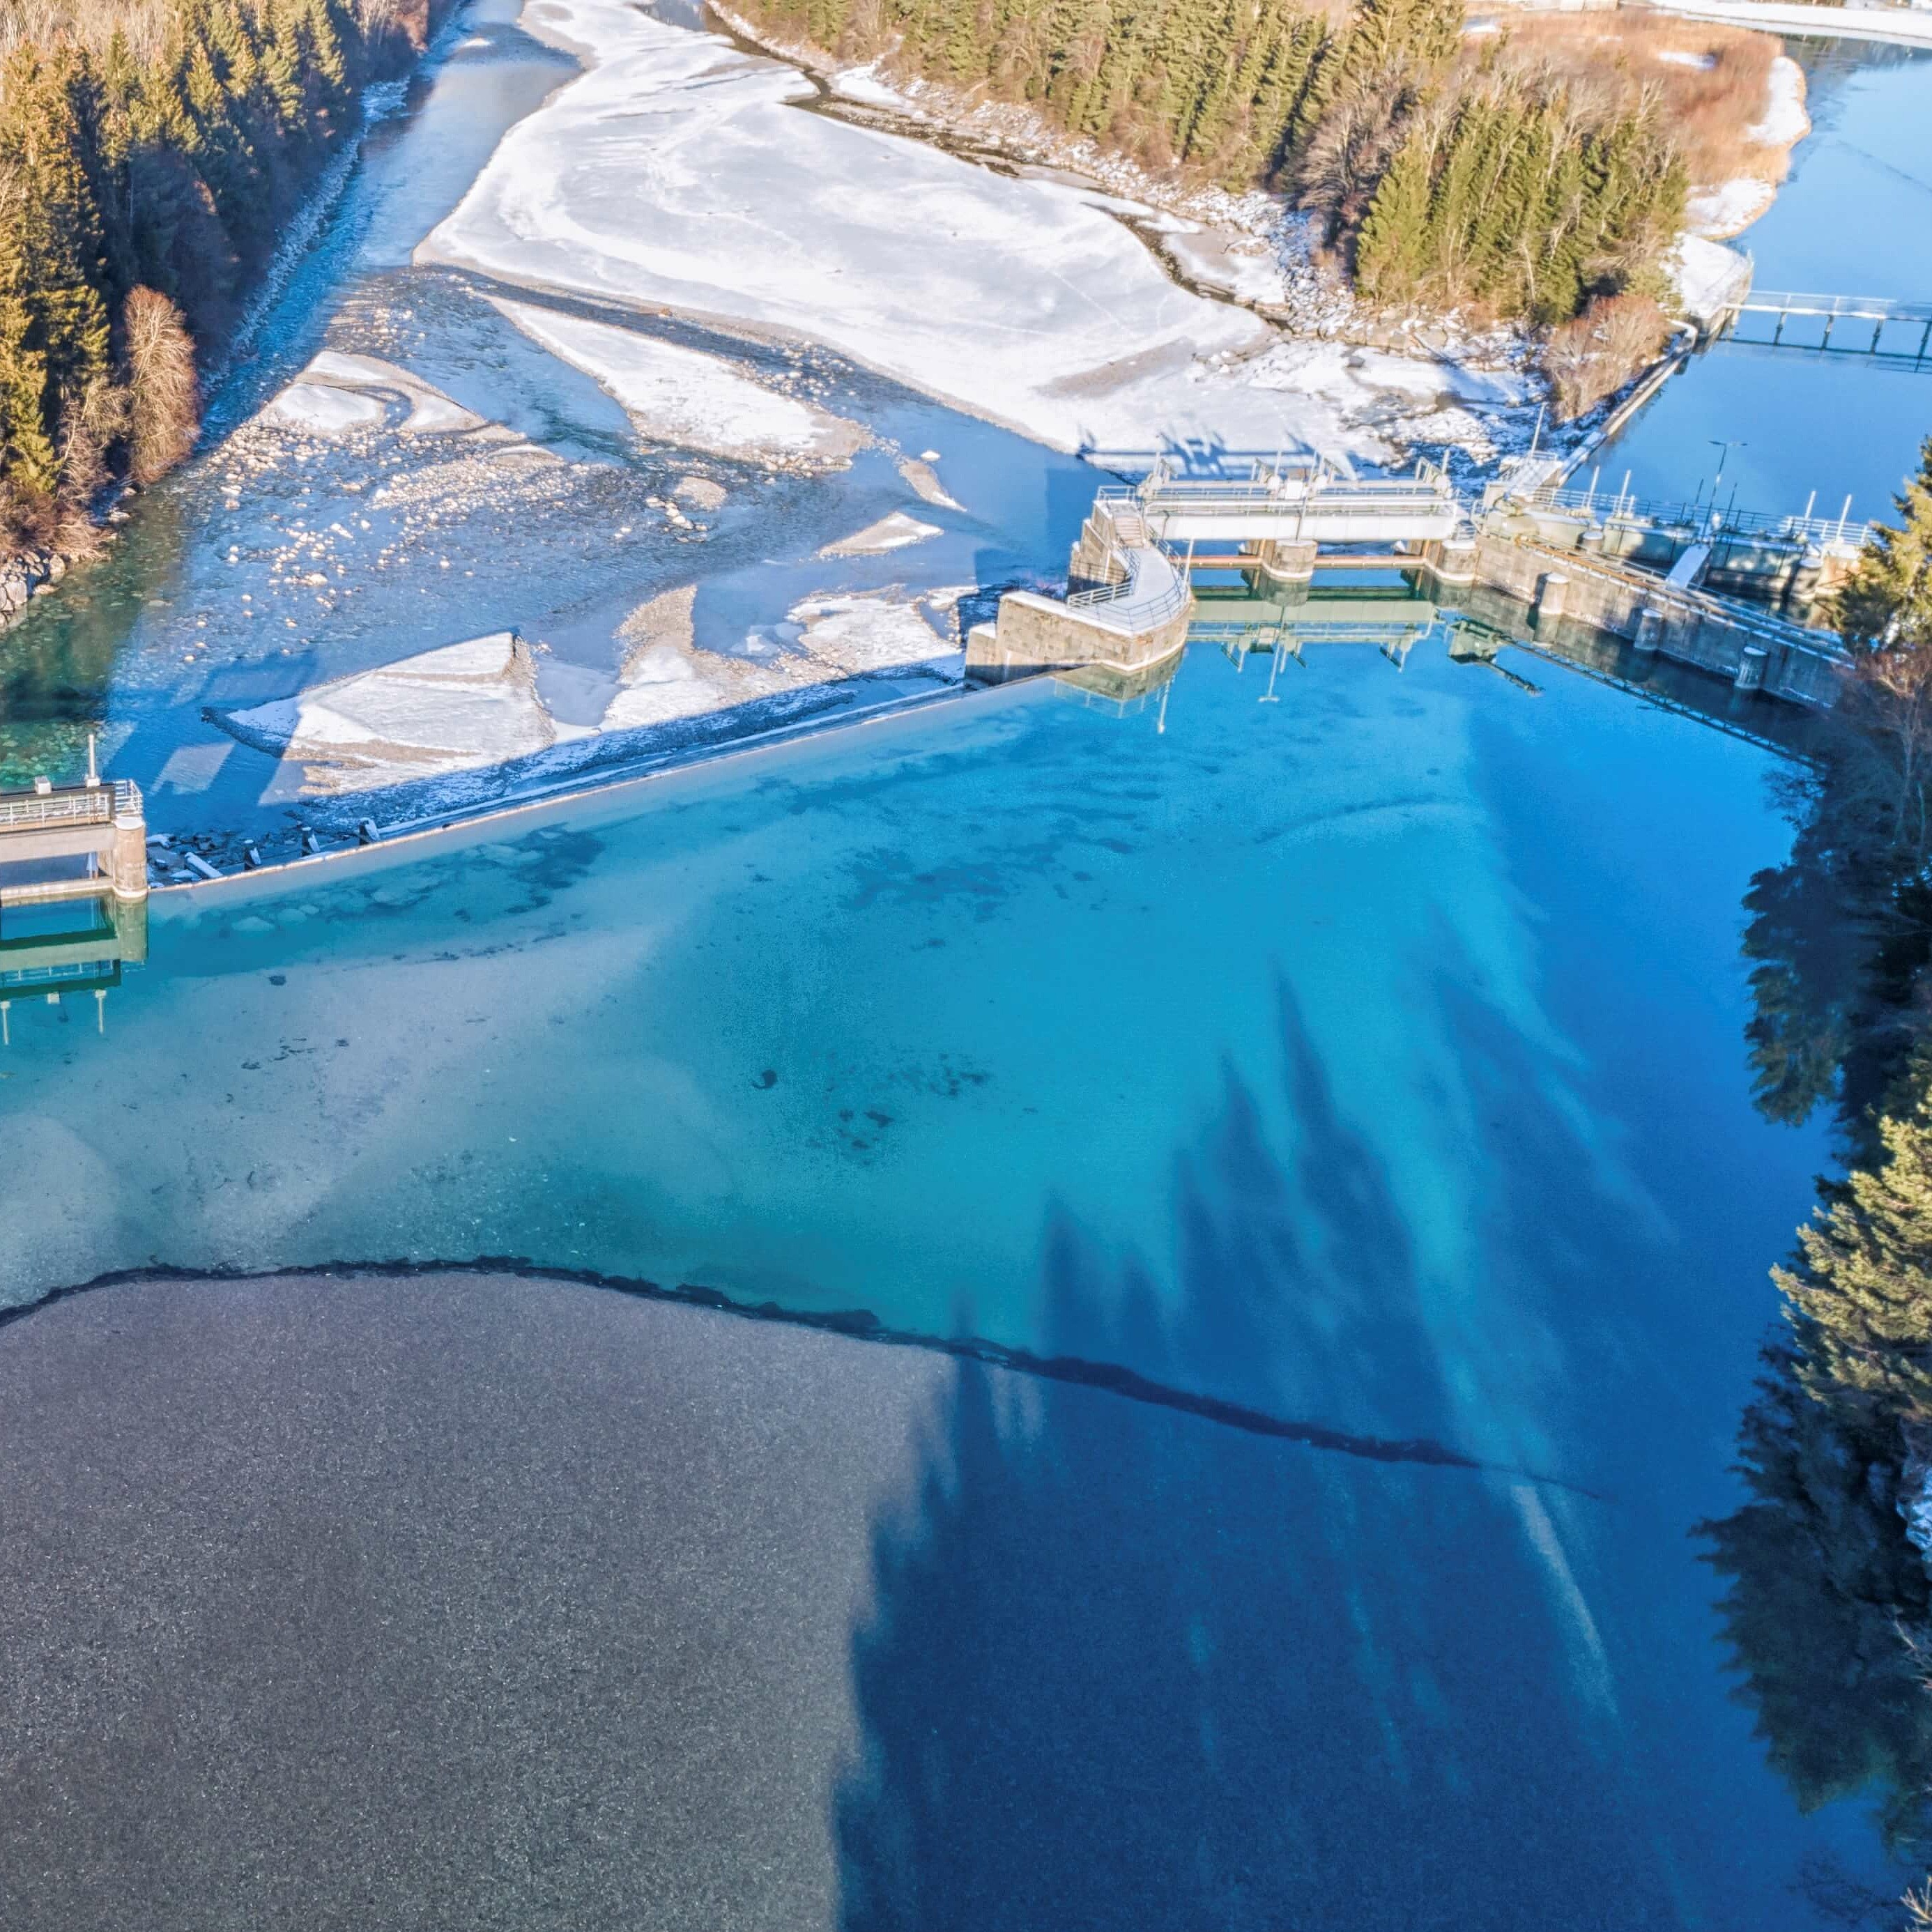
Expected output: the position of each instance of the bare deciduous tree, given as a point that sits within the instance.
(164, 396)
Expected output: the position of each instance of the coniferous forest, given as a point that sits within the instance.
(1444, 170)
(149, 153)
(1827, 1608)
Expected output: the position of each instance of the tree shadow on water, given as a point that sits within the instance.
(1126, 1667)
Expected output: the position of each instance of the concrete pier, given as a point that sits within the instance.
(72, 841)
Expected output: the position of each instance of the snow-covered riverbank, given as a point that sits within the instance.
(680, 174)
(1907, 26)
(1730, 207)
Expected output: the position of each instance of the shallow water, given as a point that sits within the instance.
(1371, 1058)
(271, 562)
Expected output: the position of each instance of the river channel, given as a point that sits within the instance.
(1344, 1054)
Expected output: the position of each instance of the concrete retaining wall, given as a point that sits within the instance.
(1689, 629)
(1037, 634)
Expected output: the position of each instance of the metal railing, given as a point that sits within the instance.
(1148, 610)
(1703, 518)
(14, 979)
(70, 805)
(1847, 308)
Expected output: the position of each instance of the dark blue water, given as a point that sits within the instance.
(1372, 1059)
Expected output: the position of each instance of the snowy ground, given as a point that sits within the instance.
(682, 396)
(486, 701)
(679, 173)
(1729, 207)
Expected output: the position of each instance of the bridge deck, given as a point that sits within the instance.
(1847, 308)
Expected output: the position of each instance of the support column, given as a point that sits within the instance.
(130, 930)
(1649, 630)
(1454, 560)
(1289, 562)
(130, 854)
(1750, 668)
(1553, 591)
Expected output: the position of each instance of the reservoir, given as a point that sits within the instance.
(1291, 1129)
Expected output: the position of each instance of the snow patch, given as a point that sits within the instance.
(892, 533)
(925, 484)
(1717, 212)
(676, 173)
(338, 394)
(453, 708)
(826, 641)
(313, 409)
(1246, 266)
(1708, 276)
(684, 397)
(1786, 121)
(864, 86)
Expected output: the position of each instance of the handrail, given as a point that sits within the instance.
(1627, 510)
(83, 806)
(1850, 308)
(1148, 612)
(69, 805)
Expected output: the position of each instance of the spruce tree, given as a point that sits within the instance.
(1887, 603)
(1861, 1292)
(1391, 257)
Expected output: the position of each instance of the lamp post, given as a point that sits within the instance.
(1723, 450)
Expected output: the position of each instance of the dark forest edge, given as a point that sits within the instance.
(151, 153)
(1827, 1609)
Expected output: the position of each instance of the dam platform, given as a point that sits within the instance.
(1699, 587)
(72, 841)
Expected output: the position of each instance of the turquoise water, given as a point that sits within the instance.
(1372, 1058)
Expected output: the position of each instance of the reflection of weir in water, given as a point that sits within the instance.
(1394, 618)
(52, 952)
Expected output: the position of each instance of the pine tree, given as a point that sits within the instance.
(1887, 603)
(1392, 246)
(1862, 1293)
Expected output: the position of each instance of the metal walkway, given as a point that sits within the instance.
(1295, 502)
(1909, 322)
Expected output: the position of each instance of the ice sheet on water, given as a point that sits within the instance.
(892, 533)
(682, 396)
(677, 173)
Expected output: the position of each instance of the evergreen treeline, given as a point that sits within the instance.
(1444, 176)
(1828, 1603)
(139, 192)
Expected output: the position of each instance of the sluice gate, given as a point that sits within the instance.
(1650, 573)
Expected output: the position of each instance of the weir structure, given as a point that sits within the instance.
(1665, 577)
(72, 841)
(73, 892)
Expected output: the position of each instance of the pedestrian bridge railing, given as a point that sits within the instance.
(1839, 531)
(67, 805)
